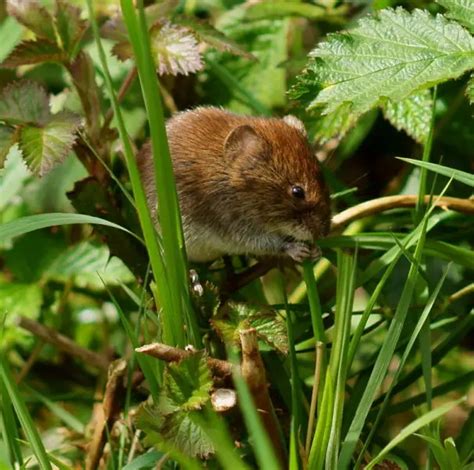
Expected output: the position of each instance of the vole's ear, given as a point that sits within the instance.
(243, 140)
(293, 121)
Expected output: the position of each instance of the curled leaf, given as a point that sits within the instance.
(69, 25)
(34, 52)
(34, 16)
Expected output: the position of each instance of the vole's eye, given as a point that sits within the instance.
(297, 191)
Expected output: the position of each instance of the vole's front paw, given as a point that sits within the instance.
(301, 251)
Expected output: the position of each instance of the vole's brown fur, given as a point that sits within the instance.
(234, 176)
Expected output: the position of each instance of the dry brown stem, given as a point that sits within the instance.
(167, 353)
(64, 343)
(253, 372)
(383, 204)
(106, 413)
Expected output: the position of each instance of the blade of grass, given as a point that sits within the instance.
(385, 355)
(171, 333)
(422, 322)
(338, 362)
(412, 428)
(8, 428)
(169, 215)
(31, 223)
(23, 415)
(458, 175)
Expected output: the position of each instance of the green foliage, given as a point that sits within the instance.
(381, 306)
(386, 60)
(172, 421)
(234, 317)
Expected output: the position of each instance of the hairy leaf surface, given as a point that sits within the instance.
(390, 55)
(460, 10)
(45, 147)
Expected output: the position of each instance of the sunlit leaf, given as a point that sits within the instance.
(185, 391)
(34, 52)
(20, 299)
(24, 102)
(412, 115)
(34, 16)
(234, 317)
(389, 55)
(460, 10)
(45, 147)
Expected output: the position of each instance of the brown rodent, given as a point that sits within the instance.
(246, 185)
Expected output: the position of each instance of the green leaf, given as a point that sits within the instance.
(460, 10)
(262, 81)
(45, 147)
(34, 52)
(234, 317)
(20, 299)
(186, 385)
(24, 102)
(178, 431)
(390, 55)
(148, 460)
(458, 175)
(185, 390)
(69, 25)
(7, 139)
(34, 16)
(277, 9)
(212, 36)
(11, 32)
(412, 115)
(412, 428)
(36, 222)
(89, 266)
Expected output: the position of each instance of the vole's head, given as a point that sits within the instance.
(278, 180)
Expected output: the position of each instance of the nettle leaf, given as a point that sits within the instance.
(460, 10)
(175, 49)
(34, 16)
(24, 102)
(212, 36)
(7, 139)
(45, 147)
(412, 115)
(390, 55)
(34, 52)
(186, 385)
(186, 388)
(234, 317)
(179, 432)
(69, 25)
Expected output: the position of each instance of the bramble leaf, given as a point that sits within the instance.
(7, 139)
(69, 25)
(45, 147)
(185, 391)
(34, 16)
(234, 317)
(390, 55)
(34, 52)
(460, 10)
(412, 115)
(174, 49)
(24, 102)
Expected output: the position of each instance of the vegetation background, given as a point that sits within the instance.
(368, 353)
